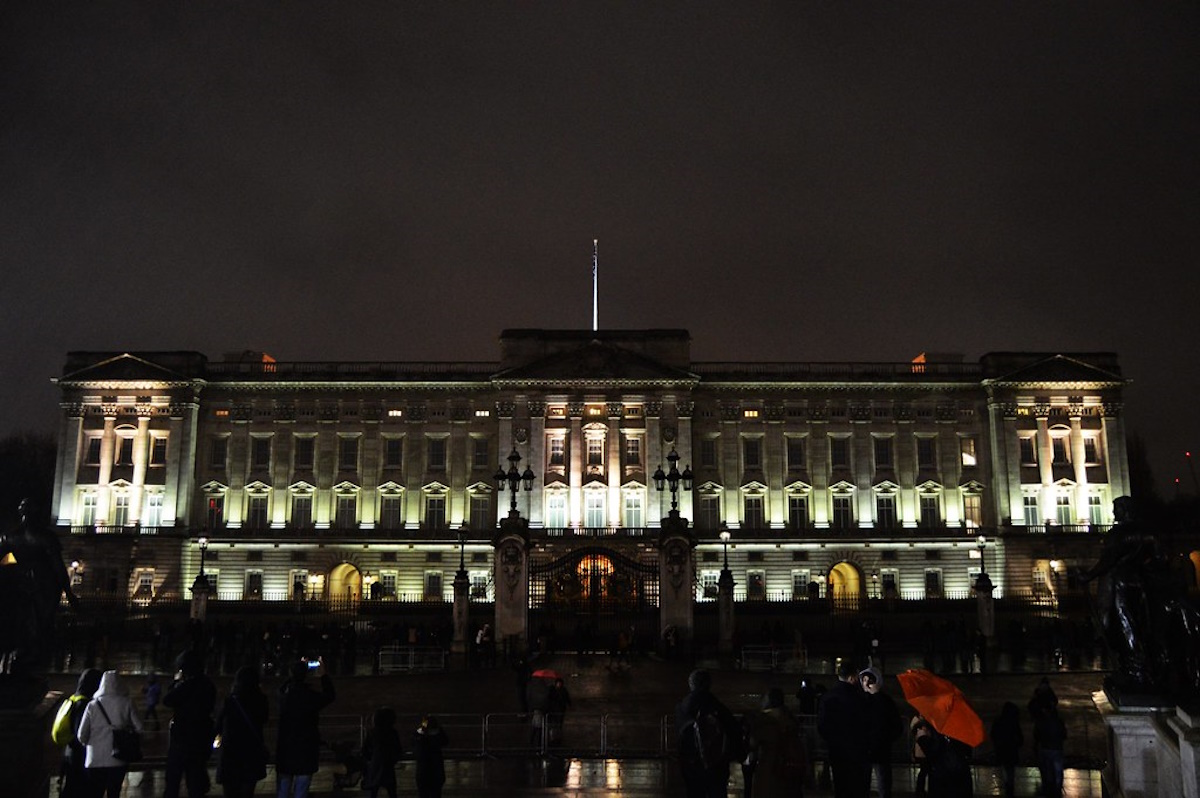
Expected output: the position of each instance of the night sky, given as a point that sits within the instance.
(788, 181)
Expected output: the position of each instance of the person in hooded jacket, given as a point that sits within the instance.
(778, 749)
(705, 779)
(74, 776)
(192, 697)
(427, 744)
(886, 725)
(298, 751)
(109, 708)
(242, 761)
(382, 750)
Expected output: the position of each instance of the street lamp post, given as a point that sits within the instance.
(672, 478)
(987, 607)
(725, 599)
(514, 478)
(462, 597)
(201, 588)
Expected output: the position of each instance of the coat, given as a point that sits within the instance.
(845, 723)
(430, 765)
(298, 750)
(776, 743)
(192, 699)
(95, 733)
(381, 750)
(243, 753)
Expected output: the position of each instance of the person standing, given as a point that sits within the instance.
(710, 738)
(1006, 742)
(844, 721)
(109, 709)
(381, 751)
(777, 749)
(558, 700)
(74, 774)
(242, 759)
(192, 698)
(920, 728)
(298, 749)
(429, 761)
(887, 726)
(1049, 734)
(152, 692)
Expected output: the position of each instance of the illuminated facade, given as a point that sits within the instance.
(353, 480)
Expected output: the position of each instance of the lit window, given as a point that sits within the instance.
(750, 413)
(120, 515)
(152, 514)
(633, 451)
(595, 451)
(973, 510)
(483, 413)
(395, 413)
(594, 509)
(1032, 513)
(556, 509)
(967, 447)
(633, 509)
(1062, 510)
(1095, 510)
(557, 451)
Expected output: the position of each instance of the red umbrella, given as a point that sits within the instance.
(943, 705)
(546, 673)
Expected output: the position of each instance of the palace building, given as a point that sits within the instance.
(377, 481)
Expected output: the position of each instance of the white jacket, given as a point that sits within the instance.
(95, 732)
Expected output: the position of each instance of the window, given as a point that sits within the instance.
(633, 509)
(556, 509)
(756, 585)
(752, 453)
(87, 510)
(890, 581)
(708, 453)
(1091, 450)
(158, 451)
(435, 450)
(120, 514)
(391, 511)
(1095, 511)
(256, 512)
(843, 512)
(215, 514)
(708, 515)
(346, 511)
(1062, 510)
(593, 509)
(1033, 515)
(480, 516)
(479, 585)
(633, 451)
(795, 454)
(124, 451)
(433, 586)
(972, 510)
(595, 452)
(927, 453)
(217, 452)
(885, 511)
(152, 514)
(1058, 449)
(557, 451)
(254, 584)
(481, 457)
(92, 457)
(304, 452)
(797, 511)
(933, 582)
(388, 580)
(348, 454)
(301, 510)
(931, 515)
(260, 453)
(708, 584)
(839, 452)
(800, 580)
(145, 582)
(1028, 450)
(883, 452)
(966, 447)
(435, 512)
(752, 512)
(393, 452)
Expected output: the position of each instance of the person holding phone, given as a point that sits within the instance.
(298, 749)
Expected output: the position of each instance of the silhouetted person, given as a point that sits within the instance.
(192, 697)
(240, 721)
(844, 721)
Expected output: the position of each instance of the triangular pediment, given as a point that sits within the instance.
(1060, 369)
(595, 362)
(125, 366)
(633, 484)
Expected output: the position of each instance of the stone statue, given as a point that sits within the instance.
(1148, 623)
(33, 578)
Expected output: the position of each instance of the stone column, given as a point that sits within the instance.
(676, 575)
(1046, 506)
(462, 599)
(511, 578)
(107, 455)
(141, 455)
(575, 451)
(614, 470)
(725, 613)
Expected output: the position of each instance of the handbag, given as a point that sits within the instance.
(127, 741)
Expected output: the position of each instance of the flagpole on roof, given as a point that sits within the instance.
(595, 279)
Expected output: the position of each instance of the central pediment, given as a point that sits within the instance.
(592, 360)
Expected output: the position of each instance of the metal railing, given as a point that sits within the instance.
(411, 659)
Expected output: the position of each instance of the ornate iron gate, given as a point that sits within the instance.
(582, 600)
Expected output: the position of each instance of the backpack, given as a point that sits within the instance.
(704, 740)
(62, 732)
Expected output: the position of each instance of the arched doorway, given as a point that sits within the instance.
(345, 583)
(845, 585)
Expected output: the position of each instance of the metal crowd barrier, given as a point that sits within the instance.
(411, 659)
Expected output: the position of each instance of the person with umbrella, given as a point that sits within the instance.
(957, 728)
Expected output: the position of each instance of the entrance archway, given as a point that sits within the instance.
(845, 585)
(345, 583)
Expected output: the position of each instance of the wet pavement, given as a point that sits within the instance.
(618, 735)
